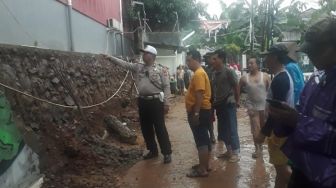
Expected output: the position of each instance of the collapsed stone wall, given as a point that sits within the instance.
(60, 77)
(58, 134)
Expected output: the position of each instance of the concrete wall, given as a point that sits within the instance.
(44, 23)
(170, 59)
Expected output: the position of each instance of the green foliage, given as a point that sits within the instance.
(327, 6)
(232, 49)
(161, 14)
(269, 21)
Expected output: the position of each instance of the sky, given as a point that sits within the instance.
(214, 7)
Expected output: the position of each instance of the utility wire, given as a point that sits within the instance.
(65, 106)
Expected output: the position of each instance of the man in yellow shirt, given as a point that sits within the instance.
(198, 107)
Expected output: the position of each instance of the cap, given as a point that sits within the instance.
(322, 31)
(149, 49)
(279, 49)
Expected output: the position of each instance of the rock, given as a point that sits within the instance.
(69, 101)
(42, 69)
(35, 126)
(33, 70)
(102, 79)
(54, 99)
(47, 95)
(14, 50)
(34, 58)
(78, 74)
(55, 80)
(124, 133)
(60, 89)
(25, 81)
(71, 71)
(51, 73)
(26, 60)
(36, 81)
(44, 62)
(8, 72)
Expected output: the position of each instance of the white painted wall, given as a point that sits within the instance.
(43, 23)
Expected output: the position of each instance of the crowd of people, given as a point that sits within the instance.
(298, 119)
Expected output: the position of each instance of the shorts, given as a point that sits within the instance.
(201, 131)
(277, 157)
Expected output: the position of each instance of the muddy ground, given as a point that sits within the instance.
(84, 159)
(88, 161)
(247, 172)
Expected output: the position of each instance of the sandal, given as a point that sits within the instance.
(194, 173)
(195, 167)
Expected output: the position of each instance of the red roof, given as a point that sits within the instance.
(210, 25)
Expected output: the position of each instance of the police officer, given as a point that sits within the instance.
(154, 89)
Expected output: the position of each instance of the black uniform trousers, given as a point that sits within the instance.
(151, 112)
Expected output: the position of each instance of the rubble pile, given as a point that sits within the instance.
(71, 141)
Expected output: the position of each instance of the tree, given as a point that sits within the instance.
(162, 14)
(328, 8)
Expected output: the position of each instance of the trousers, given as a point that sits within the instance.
(151, 113)
(227, 126)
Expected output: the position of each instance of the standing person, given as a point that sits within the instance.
(186, 76)
(282, 90)
(295, 72)
(208, 69)
(173, 85)
(225, 102)
(180, 81)
(256, 84)
(154, 89)
(311, 144)
(198, 107)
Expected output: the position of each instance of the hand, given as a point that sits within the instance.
(195, 120)
(166, 109)
(260, 139)
(238, 104)
(290, 115)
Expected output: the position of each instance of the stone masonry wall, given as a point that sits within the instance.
(60, 77)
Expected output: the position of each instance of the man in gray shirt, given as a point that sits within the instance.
(225, 100)
(154, 89)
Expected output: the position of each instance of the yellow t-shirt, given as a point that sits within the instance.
(199, 82)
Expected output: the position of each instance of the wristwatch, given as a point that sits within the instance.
(196, 114)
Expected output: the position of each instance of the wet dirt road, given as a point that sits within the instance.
(247, 172)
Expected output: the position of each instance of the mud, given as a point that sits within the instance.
(248, 172)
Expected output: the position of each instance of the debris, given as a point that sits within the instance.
(55, 80)
(125, 134)
(69, 101)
